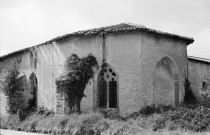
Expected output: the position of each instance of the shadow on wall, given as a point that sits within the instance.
(25, 93)
(32, 91)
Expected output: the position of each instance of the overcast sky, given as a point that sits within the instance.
(25, 23)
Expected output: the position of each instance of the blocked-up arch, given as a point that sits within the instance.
(33, 88)
(108, 87)
(166, 82)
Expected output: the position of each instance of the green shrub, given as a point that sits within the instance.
(78, 72)
(175, 119)
(10, 84)
(152, 109)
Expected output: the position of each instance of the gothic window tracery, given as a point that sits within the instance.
(107, 88)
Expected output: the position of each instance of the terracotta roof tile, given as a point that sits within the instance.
(123, 27)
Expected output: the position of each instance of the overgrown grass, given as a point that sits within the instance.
(149, 120)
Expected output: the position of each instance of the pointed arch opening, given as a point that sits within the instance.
(33, 88)
(108, 87)
(166, 82)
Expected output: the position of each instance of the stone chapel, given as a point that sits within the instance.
(143, 66)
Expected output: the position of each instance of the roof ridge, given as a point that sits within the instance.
(134, 24)
(199, 58)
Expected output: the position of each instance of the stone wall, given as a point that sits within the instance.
(199, 77)
(134, 56)
(82, 46)
(47, 68)
(154, 49)
(123, 53)
(47, 63)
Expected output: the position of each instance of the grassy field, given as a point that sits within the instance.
(151, 120)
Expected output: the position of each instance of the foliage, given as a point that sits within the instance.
(43, 111)
(78, 71)
(10, 84)
(194, 118)
(204, 101)
(179, 119)
(168, 121)
(153, 109)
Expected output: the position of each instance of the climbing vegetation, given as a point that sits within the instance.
(78, 72)
(10, 84)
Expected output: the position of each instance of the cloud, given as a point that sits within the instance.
(201, 46)
(24, 23)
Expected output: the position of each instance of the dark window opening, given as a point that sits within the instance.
(110, 70)
(113, 94)
(33, 91)
(113, 74)
(102, 94)
(204, 87)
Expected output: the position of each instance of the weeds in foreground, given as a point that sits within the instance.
(152, 119)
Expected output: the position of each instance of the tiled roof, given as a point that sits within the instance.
(123, 27)
(199, 59)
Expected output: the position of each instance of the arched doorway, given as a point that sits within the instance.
(108, 80)
(33, 87)
(165, 82)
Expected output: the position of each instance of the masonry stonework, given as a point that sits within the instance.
(154, 48)
(151, 68)
(199, 77)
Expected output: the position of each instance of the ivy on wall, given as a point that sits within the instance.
(10, 84)
(78, 72)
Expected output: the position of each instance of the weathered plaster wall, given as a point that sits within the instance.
(50, 61)
(154, 48)
(199, 72)
(133, 55)
(47, 63)
(47, 67)
(123, 53)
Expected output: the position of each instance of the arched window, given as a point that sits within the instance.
(107, 87)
